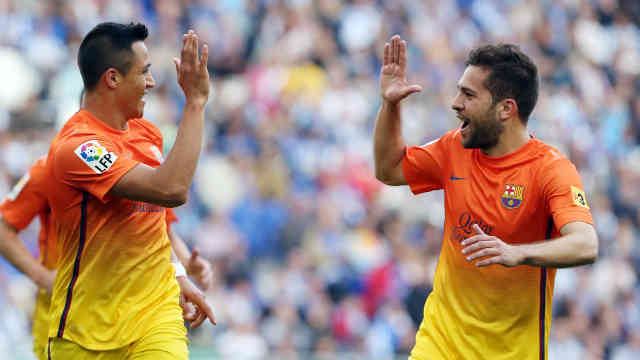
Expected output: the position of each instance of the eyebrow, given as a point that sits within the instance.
(464, 88)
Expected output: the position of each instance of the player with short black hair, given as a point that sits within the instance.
(515, 209)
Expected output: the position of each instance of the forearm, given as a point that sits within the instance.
(179, 248)
(388, 143)
(180, 165)
(569, 250)
(19, 256)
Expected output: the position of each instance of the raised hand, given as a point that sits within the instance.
(393, 75)
(193, 75)
(492, 249)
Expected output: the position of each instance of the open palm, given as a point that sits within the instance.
(393, 75)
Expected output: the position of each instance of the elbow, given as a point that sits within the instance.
(176, 196)
(592, 250)
(381, 176)
(384, 177)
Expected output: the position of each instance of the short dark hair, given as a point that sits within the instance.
(108, 45)
(512, 75)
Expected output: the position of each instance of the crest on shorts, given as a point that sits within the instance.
(512, 196)
(96, 156)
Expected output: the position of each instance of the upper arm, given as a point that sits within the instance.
(586, 233)
(579, 227)
(90, 163)
(140, 184)
(25, 201)
(564, 196)
(423, 166)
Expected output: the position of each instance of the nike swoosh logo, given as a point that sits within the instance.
(456, 178)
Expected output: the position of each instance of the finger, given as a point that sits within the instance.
(189, 311)
(387, 54)
(475, 238)
(470, 240)
(204, 58)
(483, 253)
(482, 244)
(184, 54)
(194, 256)
(194, 50)
(402, 54)
(490, 261)
(198, 320)
(394, 51)
(478, 230)
(204, 306)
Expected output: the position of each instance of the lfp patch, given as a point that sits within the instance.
(512, 196)
(579, 198)
(96, 156)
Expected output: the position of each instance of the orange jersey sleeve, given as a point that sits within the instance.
(90, 163)
(563, 193)
(170, 218)
(27, 199)
(424, 167)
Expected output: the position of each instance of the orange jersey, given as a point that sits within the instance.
(114, 278)
(27, 200)
(492, 312)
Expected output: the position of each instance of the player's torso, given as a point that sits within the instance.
(505, 201)
(114, 255)
(494, 302)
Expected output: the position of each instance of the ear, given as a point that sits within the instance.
(112, 78)
(507, 109)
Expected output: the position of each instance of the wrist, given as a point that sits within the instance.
(197, 104)
(179, 270)
(523, 255)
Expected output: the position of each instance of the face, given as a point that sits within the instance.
(135, 85)
(480, 128)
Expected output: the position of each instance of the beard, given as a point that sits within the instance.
(485, 132)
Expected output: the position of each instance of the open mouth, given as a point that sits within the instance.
(465, 122)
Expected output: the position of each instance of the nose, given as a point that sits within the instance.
(457, 104)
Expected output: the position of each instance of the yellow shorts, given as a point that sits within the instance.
(165, 342)
(40, 327)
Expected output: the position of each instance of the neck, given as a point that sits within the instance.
(104, 108)
(514, 136)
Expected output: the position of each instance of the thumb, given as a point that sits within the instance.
(194, 255)
(478, 230)
(176, 61)
(411, 89)
(414, 89)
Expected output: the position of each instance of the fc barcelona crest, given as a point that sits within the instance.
(512, 196)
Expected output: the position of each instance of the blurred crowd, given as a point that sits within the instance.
(313, 257)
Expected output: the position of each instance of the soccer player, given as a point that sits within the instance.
(115, 294)
(27, 200)
(515, 209)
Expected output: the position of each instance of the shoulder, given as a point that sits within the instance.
(550, 157)
(145, 128)
(450, 138)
